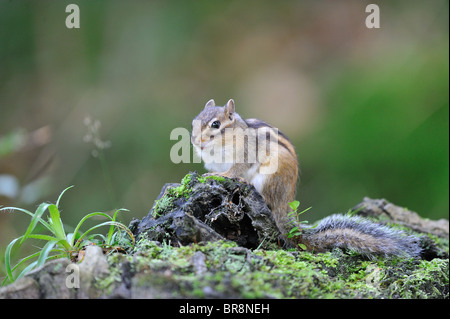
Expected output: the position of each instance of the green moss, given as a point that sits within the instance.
(235, 272)
(107, 283)
(165, 203)
(218, 178)
(183, 189)
(429, 279)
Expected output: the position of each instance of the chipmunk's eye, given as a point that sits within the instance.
(215, 124)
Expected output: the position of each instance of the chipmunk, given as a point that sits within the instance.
(258, 153)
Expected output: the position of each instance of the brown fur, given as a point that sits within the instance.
(277, 188)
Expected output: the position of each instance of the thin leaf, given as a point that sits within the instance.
(60, 195)
(304, 211)
(57, 225)
(34, 265)
(63, 243)
(9, 269)
(108, 223)
(19, 209)
(43, 222)
(117, 211)
(27, 269)
(71, 242)
(25, 259)
(8, 259)
(100, 241)
(34, 220)
(44, 253)
(43, 237)
(18, 264)
(111, 228)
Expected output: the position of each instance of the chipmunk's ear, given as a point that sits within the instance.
(229, 109)
(210, 103)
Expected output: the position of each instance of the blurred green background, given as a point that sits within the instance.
(367, 109)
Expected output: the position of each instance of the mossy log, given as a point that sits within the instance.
(215, 238)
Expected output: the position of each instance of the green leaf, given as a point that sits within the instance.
(111, 228)
(60, 195)
(44, 253)
(9, 270)
(295, 231)
(75, 233)
(108, 223)
(63, 243)
(27, 269)
(19, 209)
(43, 237)
(33, 265)
(43, 222)
(304, 211)
(302, 246)
(58, 228)
(294, 205)
(34, 220)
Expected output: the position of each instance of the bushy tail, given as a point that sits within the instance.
(361, 235)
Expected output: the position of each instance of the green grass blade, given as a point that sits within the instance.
(63, 243)
(19, 209)
(62, 193)
(18, 264)
(111, 228)
(75, 232)
(34, 220)
(43, 237)
(43, 222)
(27, 269)
(35, 264)
(9, 270)
(44, 252)
(108, 223)
(58, 228)
(83, 220)
(24, 259)
(118, 211)
(93, 239)
(69, 238)
(305, 210)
